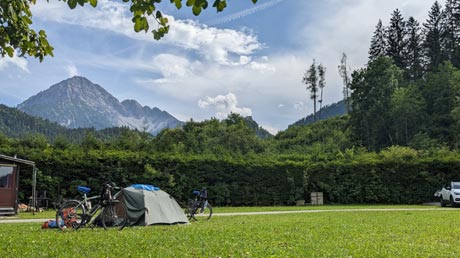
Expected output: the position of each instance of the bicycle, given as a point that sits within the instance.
(108, 211)
(198, 209)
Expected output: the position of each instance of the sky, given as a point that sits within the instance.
(248, 59)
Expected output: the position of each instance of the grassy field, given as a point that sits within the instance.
(421, 233)
(51, 213)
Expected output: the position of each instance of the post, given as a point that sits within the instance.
(34, 189)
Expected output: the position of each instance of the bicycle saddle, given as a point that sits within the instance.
(83, 189)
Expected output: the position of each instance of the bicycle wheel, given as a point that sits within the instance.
(188, 209)
(114, 215)
(202, 214)
(69, 216)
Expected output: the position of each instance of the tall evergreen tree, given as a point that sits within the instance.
(344, 72)
(395, 37)
(311, 80)
(451, 31)
(414, 50)
(378, 43)
(321, 85)
(433, 36)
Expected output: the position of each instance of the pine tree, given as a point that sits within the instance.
(311, 80)
(344, 73)
(414, 50)
(378, 43)
(451, 31)
(321, 85)
(432, 31)
(395, 38)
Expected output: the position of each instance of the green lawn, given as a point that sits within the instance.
(432, 233)
(51, 213)
(320, 207)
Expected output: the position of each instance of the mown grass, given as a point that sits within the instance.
(432, 233)
(47, 214)
(319, 207)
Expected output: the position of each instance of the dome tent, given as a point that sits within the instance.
(148, 205)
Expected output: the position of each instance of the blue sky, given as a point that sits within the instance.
(248, 59)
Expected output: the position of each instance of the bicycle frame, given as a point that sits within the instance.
(89, 216)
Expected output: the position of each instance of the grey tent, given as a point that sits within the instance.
(149, 207)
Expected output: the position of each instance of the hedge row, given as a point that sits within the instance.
(249, 181)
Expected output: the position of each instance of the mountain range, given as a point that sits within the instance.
(79, 103)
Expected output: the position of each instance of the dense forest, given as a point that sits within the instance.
(398, 143)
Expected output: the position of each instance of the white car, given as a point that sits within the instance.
(450, 194)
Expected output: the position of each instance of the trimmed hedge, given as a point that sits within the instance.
(394, 177)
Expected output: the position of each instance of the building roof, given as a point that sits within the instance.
(23, 161)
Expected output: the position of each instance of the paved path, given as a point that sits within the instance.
(2, 221)
(271, 213)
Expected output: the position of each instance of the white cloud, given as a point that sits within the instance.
(172, 65)
(218, 45)
(72, 71)
(224, 105)
(20, 62)
(222, 46)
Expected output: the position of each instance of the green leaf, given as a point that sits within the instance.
(254, 1)
(158, 34)
(81, 2)
(178, 4)
(93, 3)
(140, 23)
(220, 5)
(163, 21)
(196, 10)
(9, 51)
(137, 24)
(150, 9)
(26, 19)
(190, 2)
(13, 15)
(145, 24)
(204, 5)
(72, 4)
(158, 15)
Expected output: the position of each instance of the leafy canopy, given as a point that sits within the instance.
(16, 19)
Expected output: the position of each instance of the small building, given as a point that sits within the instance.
(10, 168)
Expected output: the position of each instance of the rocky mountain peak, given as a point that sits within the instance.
(78, 102)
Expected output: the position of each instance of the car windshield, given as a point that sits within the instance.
(456, 186)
